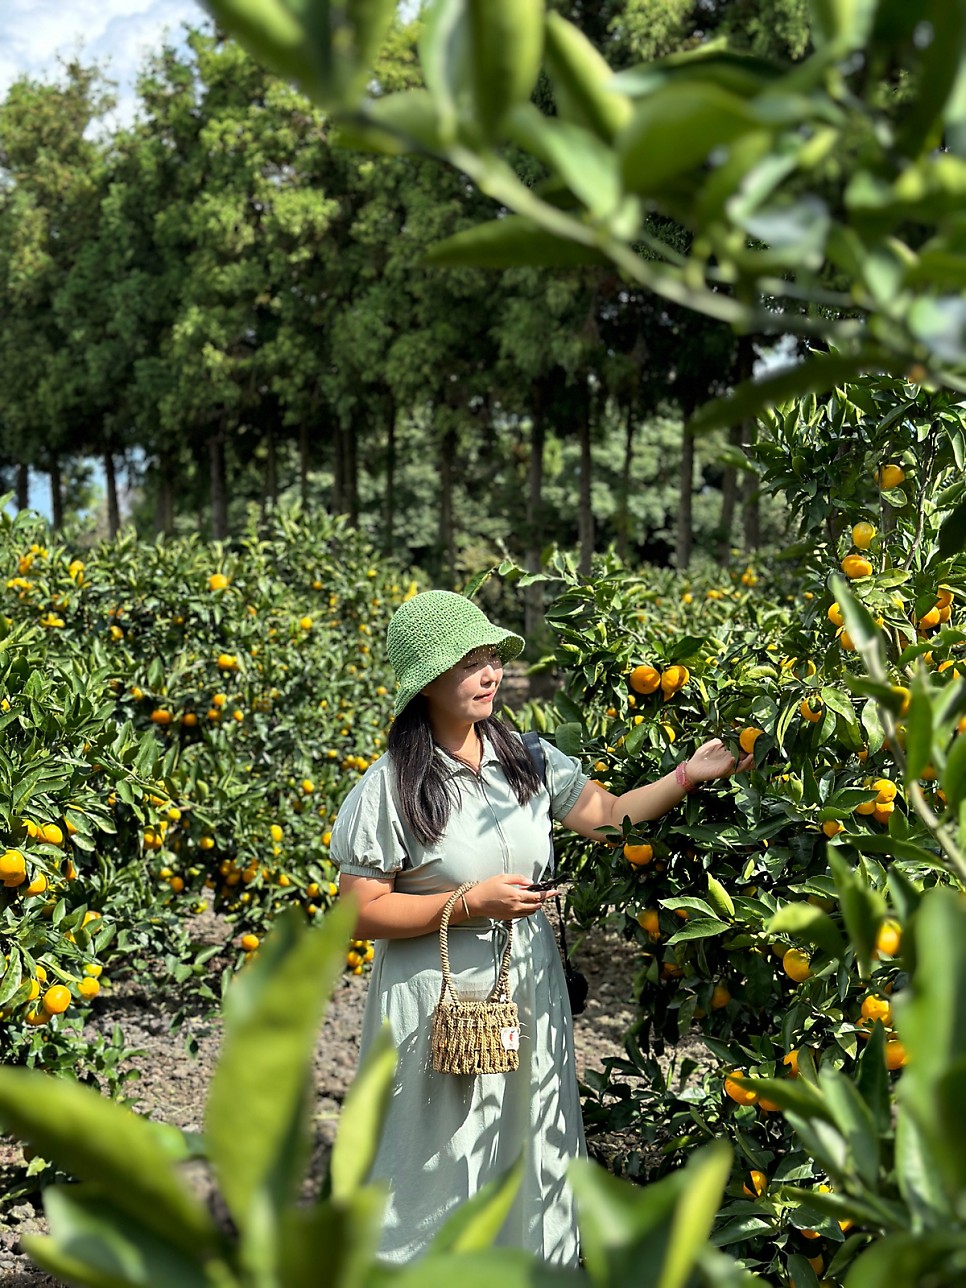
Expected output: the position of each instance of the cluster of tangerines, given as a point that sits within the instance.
(648, 679)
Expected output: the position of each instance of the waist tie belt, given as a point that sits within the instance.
(495, 931)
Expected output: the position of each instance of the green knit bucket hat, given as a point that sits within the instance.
(431, 632)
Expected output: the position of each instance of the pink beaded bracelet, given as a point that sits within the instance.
(681, 777)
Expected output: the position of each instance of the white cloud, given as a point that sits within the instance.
(117, 34)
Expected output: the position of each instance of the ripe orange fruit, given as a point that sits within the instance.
(227, 662)
(888, 938)
(648, 920)
(759, 1183)
(217, 581)
(250, 943)
(13, 868)
(639, 855)
(748, 737)
(944, 597)
(791, 1059)
(738, 1094)
(885, 789)
(895, 1054)
(890, 476)
(796, 965)
(56, 999)
(720, 997)
(37, 886)
(876, 1008)
(928, 620)
(189, 719)
(834, 615)
(88, 987)
(673, 679)
(768, 1106)
(845, 640)
(645, 679)
(865, 807)
(160, 716)
(856, 566)
(305, 623)
(810, 709)
(863, 534)
(883, 811)
(832, 826)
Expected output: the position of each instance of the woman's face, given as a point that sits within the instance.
(467, 690)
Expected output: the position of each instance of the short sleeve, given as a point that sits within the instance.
(565, 780)
(367, 837)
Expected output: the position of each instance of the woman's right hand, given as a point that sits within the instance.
(505, 897)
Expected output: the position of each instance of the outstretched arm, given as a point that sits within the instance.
(598, 808)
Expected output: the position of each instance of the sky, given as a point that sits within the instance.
(113, 33)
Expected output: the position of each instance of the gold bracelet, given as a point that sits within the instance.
(466, 907)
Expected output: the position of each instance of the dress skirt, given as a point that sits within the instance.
(447, 1135)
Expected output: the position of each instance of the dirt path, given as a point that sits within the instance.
(173, 1085)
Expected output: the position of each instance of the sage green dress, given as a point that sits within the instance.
(447, 1135)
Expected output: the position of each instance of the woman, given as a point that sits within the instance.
(457, 799)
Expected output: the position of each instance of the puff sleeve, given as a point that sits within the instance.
(565, 780)
(367, 837)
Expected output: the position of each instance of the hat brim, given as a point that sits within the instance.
(507, 643)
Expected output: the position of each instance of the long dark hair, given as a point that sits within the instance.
(422, 785)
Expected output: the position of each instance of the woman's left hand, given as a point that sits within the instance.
(713, 760)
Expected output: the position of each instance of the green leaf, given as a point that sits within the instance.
(921, 121)
(807, 922)
(675, 129)
(867, 843)
(918, 1173)
(505, 54)
(719, 898)
(344, 1239)
(919, 729)
(509, 243)
(862, 908)
(854, 1120)
(952, 534)
(583, 162)
(705, 1176)
(272, 1013)
(477, 1221)
(582, 81)
(96, 1140)
(95, 1242)
(570, 738)
(700, 928)
(954, 775)
(360, 1122)
(931, 1019)
(921, 1258)
(816, 374)
(403, 122)
(273, 32)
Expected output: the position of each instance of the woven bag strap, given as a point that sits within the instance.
(502, 986)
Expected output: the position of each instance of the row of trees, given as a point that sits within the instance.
(224, 296)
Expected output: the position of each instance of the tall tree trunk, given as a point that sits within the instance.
(164, 510)
(737, 436)
(338, 468)
(623, 514)
(729, 498)
(304, 464)
(23, 486)
(113, 511)
(270, 499)
(351, 475)
(56, 494)
(685, 542)
(219, 484)
(533, 596)
(447, 544)
(389, 507)
(585, 514)
(751, 493)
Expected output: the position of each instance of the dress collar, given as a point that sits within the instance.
(452, 766)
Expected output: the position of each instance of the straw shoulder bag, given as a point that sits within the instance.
(474, 1037)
